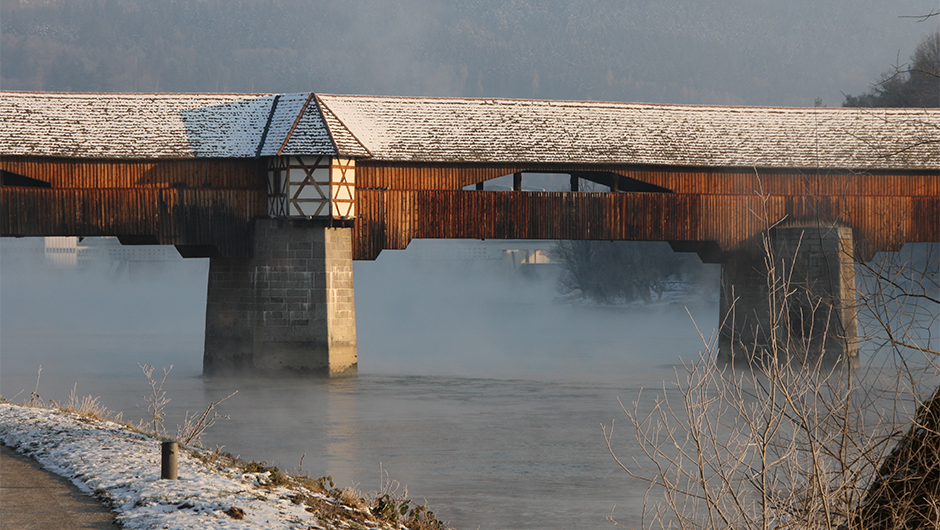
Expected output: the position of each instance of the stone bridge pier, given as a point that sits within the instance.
(291, 307)
(288, 309)
(792, 296)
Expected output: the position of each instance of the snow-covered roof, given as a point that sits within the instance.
(465, 130)
(530, 131)
(144, 126)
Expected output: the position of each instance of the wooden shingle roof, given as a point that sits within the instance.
(132, 126)
(443, 130)
(500, 130)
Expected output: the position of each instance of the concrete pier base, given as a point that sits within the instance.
(796, 302)
(288, 310)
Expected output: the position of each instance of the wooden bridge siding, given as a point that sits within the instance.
(792, 183)
(221, 218)
(177, 202)
(177, 173)
(111, 197)
(414, 176)
(390, 219)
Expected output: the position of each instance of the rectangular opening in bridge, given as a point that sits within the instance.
(614, 182)
(528, 181)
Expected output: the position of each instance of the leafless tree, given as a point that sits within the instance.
(797, 444)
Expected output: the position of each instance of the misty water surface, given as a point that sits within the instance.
(478, 391)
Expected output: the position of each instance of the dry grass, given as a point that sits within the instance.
(89, 407)
(342, 507)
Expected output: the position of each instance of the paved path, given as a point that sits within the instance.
(32, 498)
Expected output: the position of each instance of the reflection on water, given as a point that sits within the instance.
(486, 453)
(491, 453)
(476, 391)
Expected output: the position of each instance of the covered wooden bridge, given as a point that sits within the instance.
(281, 192)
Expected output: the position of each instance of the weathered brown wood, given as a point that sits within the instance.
(200, 202)
(188, 173)
(219, 218)
(205, 203)
(703, 181)
(881, 223)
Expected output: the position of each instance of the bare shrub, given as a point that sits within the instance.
(34, 399)
(785, 445)
(193, 427)
(899, 296)
(789, 442)
(156, 401)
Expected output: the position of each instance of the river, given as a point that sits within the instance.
(477, 391)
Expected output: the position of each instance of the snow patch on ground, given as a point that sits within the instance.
(122, 468)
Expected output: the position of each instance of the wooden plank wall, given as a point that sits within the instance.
(212, 202)
(205, 202)
(738, 181)
(122, 174)
(730, 208)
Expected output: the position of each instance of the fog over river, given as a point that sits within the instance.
(478, 390)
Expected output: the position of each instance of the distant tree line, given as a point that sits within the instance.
(611, 272)
(914, 84)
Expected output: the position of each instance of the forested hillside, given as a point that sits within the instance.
(915, 83)
(713, 51)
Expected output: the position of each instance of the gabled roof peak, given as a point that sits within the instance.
(146, 126)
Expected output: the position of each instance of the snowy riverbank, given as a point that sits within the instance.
(122, 469)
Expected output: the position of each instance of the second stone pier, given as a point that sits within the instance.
(793, 300)
(288, 309)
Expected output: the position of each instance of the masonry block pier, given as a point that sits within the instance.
(791, 297)
(288, 309)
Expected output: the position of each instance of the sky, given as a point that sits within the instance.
(725, 52)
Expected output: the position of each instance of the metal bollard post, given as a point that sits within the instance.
(169, 461)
